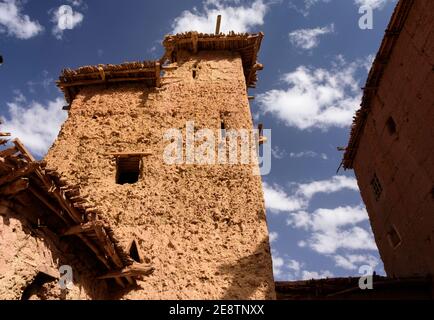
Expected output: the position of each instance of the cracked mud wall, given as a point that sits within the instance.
(30, 259)
(203, 227)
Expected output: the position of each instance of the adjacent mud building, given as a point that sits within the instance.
(391, 148)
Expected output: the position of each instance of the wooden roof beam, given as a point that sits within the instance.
(81, 228)
(18, 173)
(218, 24)
(8, 152)
(134, 270)
(15, 187)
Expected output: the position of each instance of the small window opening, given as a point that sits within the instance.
(222, 125)
(135, 252)
(393, 237)
(194, 71)
(127, 170)
(36, 285)
(376, 187)
(391, 126)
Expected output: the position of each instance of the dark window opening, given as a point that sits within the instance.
(376, 187)
(394, 237)
(134, 252)
(36, 285)
(127, 170)
(222, 126)
(194, 74)
(391, 126)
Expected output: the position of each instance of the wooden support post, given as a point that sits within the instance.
(23, 150)
(81, 228)
(251, 97)
(134, 270)
(101, 73)
(217, 27)
(107, 244)
(157, 75)
(99, 256)
(262, 138)
(109, 250)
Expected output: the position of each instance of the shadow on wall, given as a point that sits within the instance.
(252, 276)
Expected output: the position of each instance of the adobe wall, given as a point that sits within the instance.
(403, 161)
(203, 227)
(27, 251)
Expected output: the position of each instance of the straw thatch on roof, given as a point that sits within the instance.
(149, 72)
(70, 81)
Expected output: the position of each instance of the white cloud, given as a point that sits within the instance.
(35, 124)
(65, 20)
(329, 219)
(328, 229)
(335, 184)
(15, 23)
(235, 16)
(374, 4)
(277, 152)
(294, 265)
(278, 263)
(308, 275)
(277, 200)
(316, 98)
(333, 229)
(273, 236)
(308, 39)
(354, 261)
(305, 5)
(285, 268)
(76, 3)
(45, 82)
(308, 154)
(288, 269)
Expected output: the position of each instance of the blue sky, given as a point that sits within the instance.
(316, 60)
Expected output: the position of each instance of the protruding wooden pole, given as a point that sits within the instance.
(217, 27)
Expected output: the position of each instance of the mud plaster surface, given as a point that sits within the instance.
(203, 227)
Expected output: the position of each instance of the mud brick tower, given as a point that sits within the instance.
(392, 142)
(202, 227)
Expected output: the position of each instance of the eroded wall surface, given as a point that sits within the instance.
(203, 227)
(30, 259)
(397, 146)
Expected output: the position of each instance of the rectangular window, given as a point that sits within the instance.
(376, 187)
(393, 237)
(391, 126)
(128, 169)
